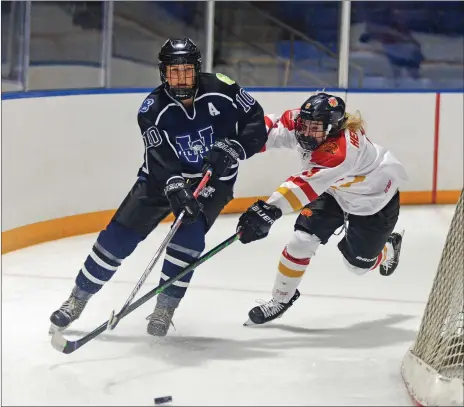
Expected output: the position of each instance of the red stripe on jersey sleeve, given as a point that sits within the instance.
(305, 187)
(311, 172)
(287, 119)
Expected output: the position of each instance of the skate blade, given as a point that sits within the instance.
(249, 322)
(157, 334)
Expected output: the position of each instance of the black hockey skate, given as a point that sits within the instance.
(269, 310)
(70, 310)
(389, 265)
(160, 320)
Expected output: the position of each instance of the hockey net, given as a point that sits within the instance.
(433, 369)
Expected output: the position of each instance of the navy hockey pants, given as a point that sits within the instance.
(144, 207)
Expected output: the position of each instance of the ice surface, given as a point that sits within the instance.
(340, 344)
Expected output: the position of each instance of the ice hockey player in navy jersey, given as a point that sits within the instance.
(345, 179)
(192, 121)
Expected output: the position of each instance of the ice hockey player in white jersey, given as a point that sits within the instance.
(345, 181)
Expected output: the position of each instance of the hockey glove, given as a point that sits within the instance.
(180, 197)
(256, 222)
(221, 157)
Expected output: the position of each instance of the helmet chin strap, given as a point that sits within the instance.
(329, 127)
(182, 93)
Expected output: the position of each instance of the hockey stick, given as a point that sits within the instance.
(114, 318)
(61, 344)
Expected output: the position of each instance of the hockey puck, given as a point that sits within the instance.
(163, 400)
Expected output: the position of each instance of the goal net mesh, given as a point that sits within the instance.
(436, 359)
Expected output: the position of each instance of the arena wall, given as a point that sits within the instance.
(70, 157)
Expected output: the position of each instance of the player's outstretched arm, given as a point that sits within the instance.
(256, 222)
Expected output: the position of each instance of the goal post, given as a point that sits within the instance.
(433, 368)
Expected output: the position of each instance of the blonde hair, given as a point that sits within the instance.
(353, 122)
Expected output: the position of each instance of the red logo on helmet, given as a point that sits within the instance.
(333, 102)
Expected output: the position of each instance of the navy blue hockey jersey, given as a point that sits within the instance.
(177, 138)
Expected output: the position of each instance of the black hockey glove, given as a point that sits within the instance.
(221, 157)
(256, 222)
(181, 197)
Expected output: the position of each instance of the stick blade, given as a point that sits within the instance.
(60, 343)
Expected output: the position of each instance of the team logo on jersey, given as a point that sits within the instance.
(328, 147)
(332, 102)
(307, 105)
(146, 105)
(192, 147)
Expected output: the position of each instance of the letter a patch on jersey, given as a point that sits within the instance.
(212, 110)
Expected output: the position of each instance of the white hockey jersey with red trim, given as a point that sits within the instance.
(362, 176)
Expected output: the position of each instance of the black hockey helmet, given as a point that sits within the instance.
(322, 107)
(179, 51)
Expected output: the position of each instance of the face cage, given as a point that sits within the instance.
(180, 93)
(308, 143)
